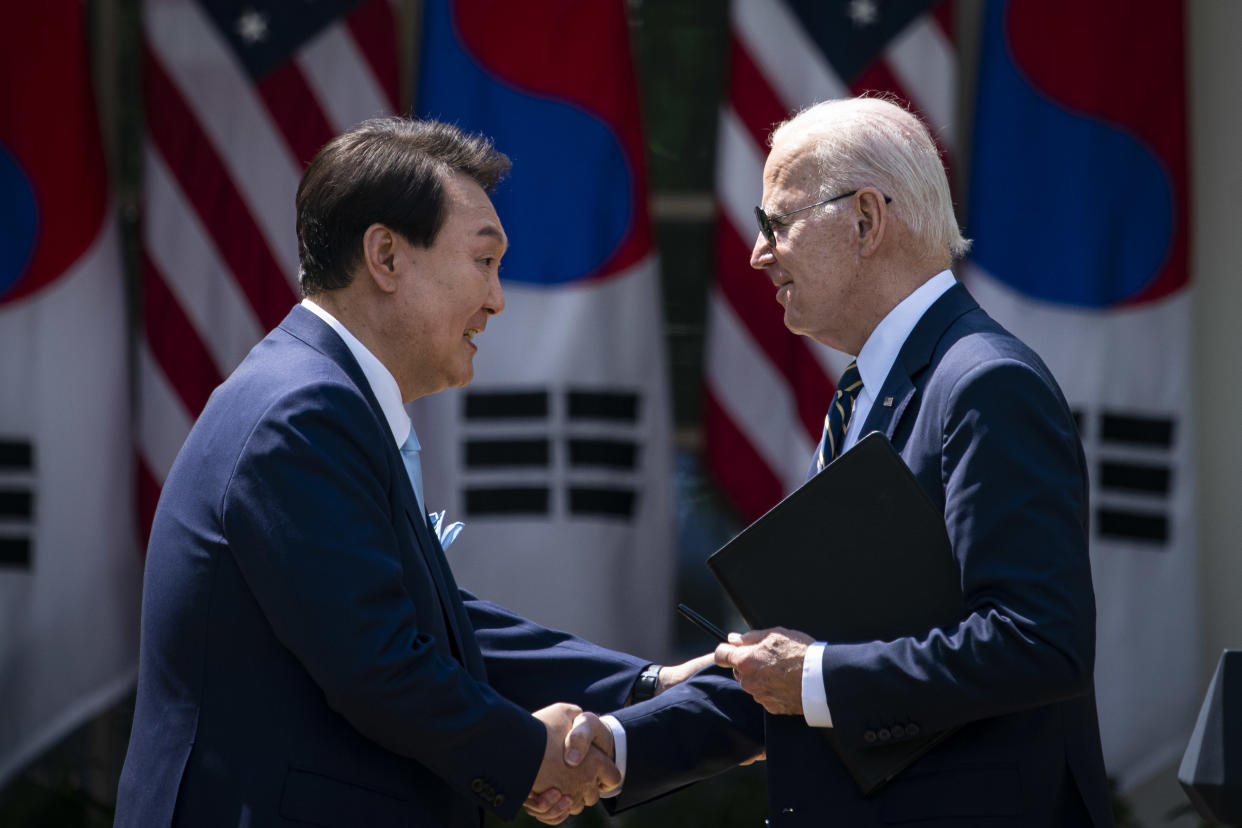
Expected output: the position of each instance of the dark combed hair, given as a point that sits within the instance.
(389, 171)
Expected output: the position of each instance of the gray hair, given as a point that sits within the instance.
(872, 142)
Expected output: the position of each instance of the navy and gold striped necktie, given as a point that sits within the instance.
(838, 417)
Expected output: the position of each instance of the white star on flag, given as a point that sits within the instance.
(864, 12)
(252, 26)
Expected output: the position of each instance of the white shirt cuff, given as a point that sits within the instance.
(814, 694)
(618, 740)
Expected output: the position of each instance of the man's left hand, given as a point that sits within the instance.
(768, 665)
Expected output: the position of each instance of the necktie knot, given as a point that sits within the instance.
(838, 418)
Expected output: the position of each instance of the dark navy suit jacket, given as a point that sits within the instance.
(982, 424)
(306, 657)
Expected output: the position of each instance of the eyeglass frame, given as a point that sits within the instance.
(765, 221)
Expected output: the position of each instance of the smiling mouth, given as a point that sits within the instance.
(469, 333)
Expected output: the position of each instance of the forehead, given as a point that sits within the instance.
(469, 211)
(790, 169)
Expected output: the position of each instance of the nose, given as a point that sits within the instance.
(762, 255)
(495, 301)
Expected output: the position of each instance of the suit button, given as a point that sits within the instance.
(912, 729)
(898, 731)
(869, 736)
(884, 734)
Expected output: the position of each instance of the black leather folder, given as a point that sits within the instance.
(858, 553)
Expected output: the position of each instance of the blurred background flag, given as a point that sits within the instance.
(558, 456)
(767, 390)
(240, 96)
(1079, 215)
(70, 570)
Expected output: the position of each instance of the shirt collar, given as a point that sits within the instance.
(383, 383)
(880, 350)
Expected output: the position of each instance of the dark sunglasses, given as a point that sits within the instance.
(765, 221)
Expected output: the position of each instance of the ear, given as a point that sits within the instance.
(379, 251)
(871, 220)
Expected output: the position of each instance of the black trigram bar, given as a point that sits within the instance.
(16, 504)
(613, 454)
(1141, 526)
(16, 455)
(15, 552)
(1143, 431)
(603, 405)
(1134, 477)
(507, 500)
(506, 405)
(482, 454)
(608, 502)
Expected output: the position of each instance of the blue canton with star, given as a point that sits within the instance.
(265, 33)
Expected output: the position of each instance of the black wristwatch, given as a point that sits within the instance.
(645, 687)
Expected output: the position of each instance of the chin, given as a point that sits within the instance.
(791, 323)
(462, 378)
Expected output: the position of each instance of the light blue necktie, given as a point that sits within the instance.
(409, 455)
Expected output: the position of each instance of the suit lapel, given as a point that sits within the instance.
(914, 357)
(312, 330)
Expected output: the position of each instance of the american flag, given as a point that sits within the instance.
(766, 389)
(239, 95)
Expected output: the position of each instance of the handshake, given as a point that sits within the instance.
(579, 760)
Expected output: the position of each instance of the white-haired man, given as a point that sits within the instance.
(857, 234)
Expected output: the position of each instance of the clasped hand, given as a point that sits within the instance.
(579, 760)
(578, 764)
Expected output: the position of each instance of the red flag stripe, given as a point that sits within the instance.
(174, 342)
(943, 15)
(752, 298)
(203, 177)
(757, 105)
(148, 492)
(739, 470)
(372, 25)
(295, 110)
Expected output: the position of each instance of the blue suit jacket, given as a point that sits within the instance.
(982, 424)
(306, 656)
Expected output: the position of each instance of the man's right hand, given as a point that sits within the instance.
(674, 674)
(563, 787)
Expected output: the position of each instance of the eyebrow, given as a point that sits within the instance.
(492, 231)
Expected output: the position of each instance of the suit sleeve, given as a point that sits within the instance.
(702, 727)
(308, 516)
(1015, 509)
(535, 666)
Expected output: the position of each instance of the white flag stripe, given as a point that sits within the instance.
(780, 47)
(763, 404)
(923, 60)
(739, 174)
(187, 258)
(238, 124)
(343, 84)
(163, 422)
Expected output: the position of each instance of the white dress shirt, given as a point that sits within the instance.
(383, 383)
(875, 360)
